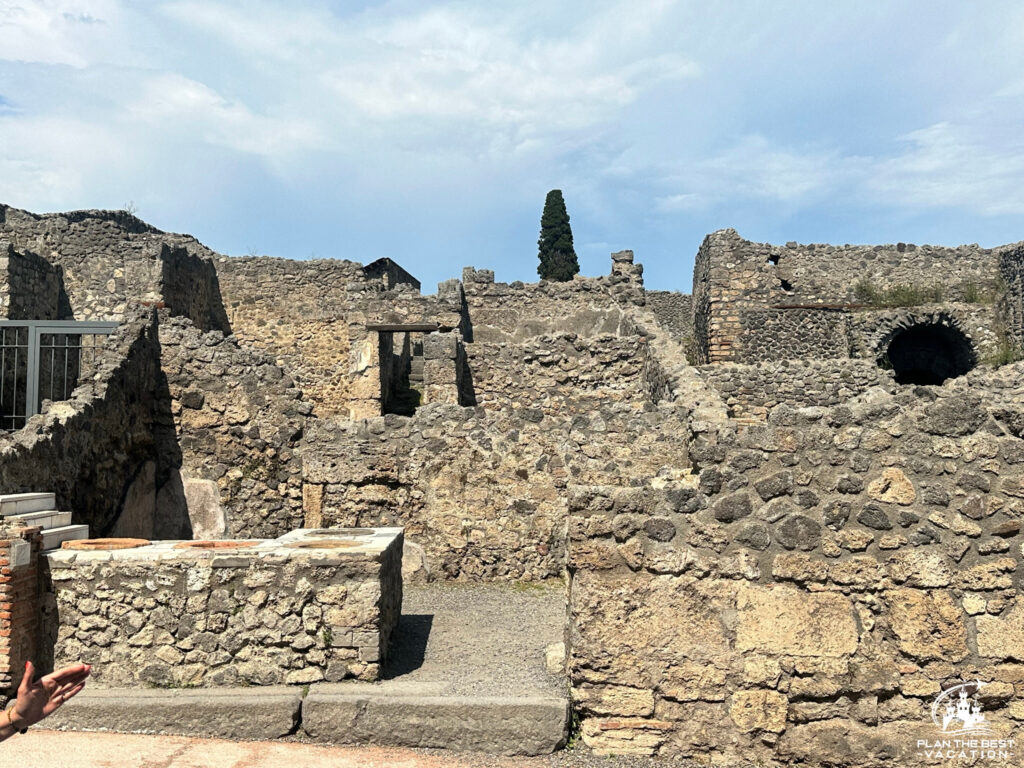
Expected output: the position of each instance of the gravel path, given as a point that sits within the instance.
(481, 639)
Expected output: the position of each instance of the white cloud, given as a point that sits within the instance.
(484, 75)
(674, 203)
(76, 33)
(173, 103)
(947, 165)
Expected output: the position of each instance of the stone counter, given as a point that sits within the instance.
(312, 605)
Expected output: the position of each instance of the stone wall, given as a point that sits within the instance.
(91, 449)
(30, 287)
(159, 616)
(390, 274)
(750, 391)
(813, 585)
(482, 492)
(295, 311)
(20, 631)
(742, 290)
(368, 375)
(791, 334)
(110, 259)
(674, 312)
(228, 442)
(557, 372)
(1011, 269)
(311, 317)
(586, 306)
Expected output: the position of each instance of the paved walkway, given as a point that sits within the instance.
(54, 749)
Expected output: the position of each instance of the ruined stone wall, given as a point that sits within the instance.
(674, 312)
(311, 317)
(92, 448)
(368, 375)
(807, 593)
(586, 306)
(555, 373)
(1011, 269)
(295, 311)
(799, 334)
(870, 331)
(228, 443)
(750, 391)
(390, 274)
(181, 618)
(739, 286)
(110, 259)
(30, 287)
(482, 492)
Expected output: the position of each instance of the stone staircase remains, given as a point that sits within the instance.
(39, 509)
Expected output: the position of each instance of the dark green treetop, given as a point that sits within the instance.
(557, 256)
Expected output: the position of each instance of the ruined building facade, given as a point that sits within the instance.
(787, 508)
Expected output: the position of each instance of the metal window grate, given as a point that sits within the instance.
(14, 343)
(44, 360)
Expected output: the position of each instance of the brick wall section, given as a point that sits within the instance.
(231, 421)
(751, 391)
(586, 306)
(559, 371)
(483, 492)
(19, 605)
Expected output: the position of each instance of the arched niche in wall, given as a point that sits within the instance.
(924, 349)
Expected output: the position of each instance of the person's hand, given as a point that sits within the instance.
(40, 698)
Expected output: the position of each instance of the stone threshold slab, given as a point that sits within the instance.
(503, 725)
(268, 712)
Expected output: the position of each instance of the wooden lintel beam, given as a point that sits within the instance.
(403, 327)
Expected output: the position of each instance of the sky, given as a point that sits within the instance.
(430, 132)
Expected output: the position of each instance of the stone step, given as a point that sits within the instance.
(20, 503)
(503, 725)
(255, 712)
(51, 518)
(54, 537)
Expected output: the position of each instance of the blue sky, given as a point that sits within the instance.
(430, 132)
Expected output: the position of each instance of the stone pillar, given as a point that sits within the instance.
(627, 279)
(19, 603)
(364, 395)
(440, 371)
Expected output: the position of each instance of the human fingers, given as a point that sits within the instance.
(66, 692)
(70, 674)
(57, 699)
(26, 680)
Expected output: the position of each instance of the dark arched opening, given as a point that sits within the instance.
(930, 354)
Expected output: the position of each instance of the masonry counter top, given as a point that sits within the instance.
(315, 604)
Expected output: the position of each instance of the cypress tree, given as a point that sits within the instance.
(557, 256)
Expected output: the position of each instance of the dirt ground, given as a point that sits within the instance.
(55, 749)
